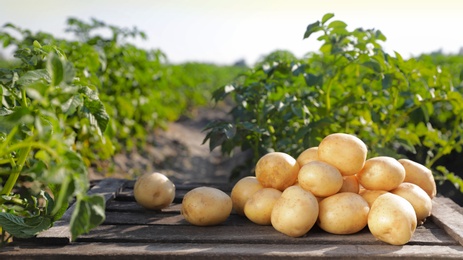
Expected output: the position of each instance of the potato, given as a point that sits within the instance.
(206, 206)
(392, 219)
(242, 191)
(277, 170)
(320, 178)
(154, 191)
(344, 151)
(350, 184)
(381, 173)
(308, 155)
(420, 175)
(295, 212)
(419, 199)
(259, 207)
(371, 195)
(343, 213)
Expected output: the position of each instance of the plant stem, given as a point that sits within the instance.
(24, 152)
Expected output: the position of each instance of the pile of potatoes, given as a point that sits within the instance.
(337, 188)
(333, 186)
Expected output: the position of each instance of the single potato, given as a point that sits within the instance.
(308, 155)
(392, 219)
(350, 184)
(419, 199)
(259, 207)
(206, 206)
(295, 212)
(381, 173)
(344, 151)
(154, 191)
(242, 191)
(277, 170)
(371, 195)
(320, 178)
(420, 175)
(343, 213)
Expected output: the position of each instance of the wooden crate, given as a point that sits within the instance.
(131, 232)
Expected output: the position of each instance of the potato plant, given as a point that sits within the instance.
(45, 114)
(398, 107)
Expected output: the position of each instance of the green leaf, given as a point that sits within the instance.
(23, 227)
(88, 214)
(94, 109)
(55, 69)
(70, 106)
(312, 28)
(326, 17)
(33, 76)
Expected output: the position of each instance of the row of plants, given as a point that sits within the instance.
(65, 104)
(400, 107)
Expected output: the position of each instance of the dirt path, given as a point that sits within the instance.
(178, 152)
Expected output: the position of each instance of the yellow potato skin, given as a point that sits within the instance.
(308, 155)
(154, 191)
(392, 219)
(259, 207)
(242, 191)
(371, 195)
(420, 175)
(419, 199)
(320, 178)
(295, 212)
(350, 184)
(381, 173)
(206, 206)
(343, 213)
(346, 152)
(277, 170)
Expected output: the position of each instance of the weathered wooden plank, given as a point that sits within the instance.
(448, 218)
(252, 234)
(136, 251)
(60, 233)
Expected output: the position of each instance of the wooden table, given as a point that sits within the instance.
(130, 232)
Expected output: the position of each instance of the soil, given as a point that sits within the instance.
(178, 152)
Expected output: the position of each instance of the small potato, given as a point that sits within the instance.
(295, 212)
(259, 207)
(308, 155)
(419, 199)
(206, 206)
(320, 178)
(242, 191)
(350, 184)
(381, 173)
(343, 213)
(154, 191)
(371, 195)
(420, 175)
(344, 151)
(392, 219)
(277, 170)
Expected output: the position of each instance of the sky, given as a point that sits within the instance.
(225, 31)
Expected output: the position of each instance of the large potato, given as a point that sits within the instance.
(320, 178)
(295, 212)
(343, 213)
(277, 170)
(259, 207)
(308, 155)
(206, 206)
(344, 151)
(242, 191)
(420, 175)
(419, 199)
(381, 173)
(392, 219)
(154, 191)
